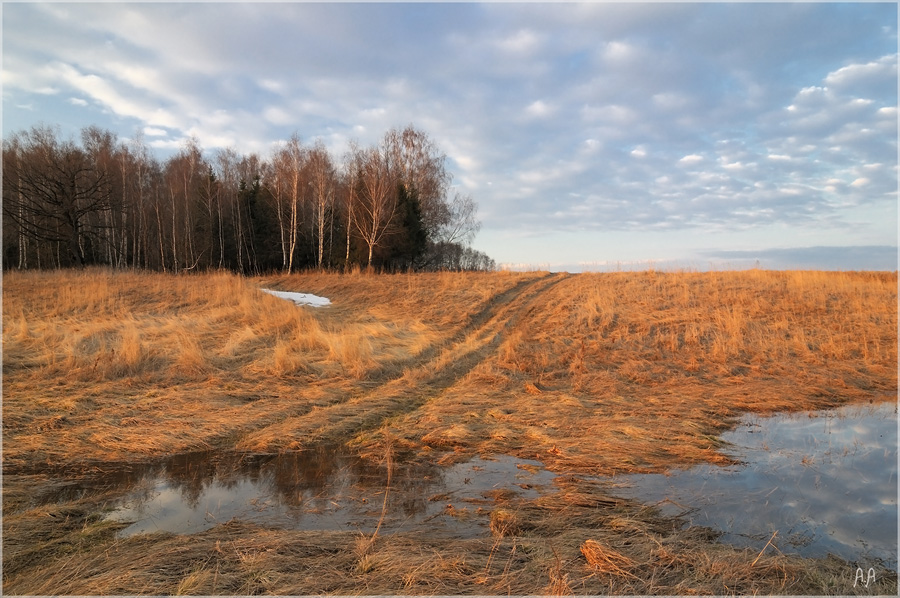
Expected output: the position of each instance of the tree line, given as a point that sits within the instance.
(109, 202)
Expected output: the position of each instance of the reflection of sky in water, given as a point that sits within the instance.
(826, 481)
(164, 507)
(323, 492)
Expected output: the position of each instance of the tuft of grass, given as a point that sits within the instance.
(505, 523)
(606, 560)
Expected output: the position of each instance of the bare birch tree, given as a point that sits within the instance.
(377, 203)
(322, 180)
(288, 165)
(351, 166)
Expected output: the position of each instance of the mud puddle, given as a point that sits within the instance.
(825, 481)
(324, 489)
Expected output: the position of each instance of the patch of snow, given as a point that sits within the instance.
(300, 298)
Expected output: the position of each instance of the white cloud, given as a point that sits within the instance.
(272, 85)
(139, 77)
(539, 109)
(219, 118)
(167, 144)
(612, 113)
(812, 92)
(21, 75)
(617, 52)
(676, 111)
(77, 102)
(212, 140)
(278, 116)
(691, 159)
(857, 76)
(523, 42)
(373, 113)
(105, 92)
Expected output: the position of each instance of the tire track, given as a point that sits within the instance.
(388, 372)
(439, 368)
(253, 436)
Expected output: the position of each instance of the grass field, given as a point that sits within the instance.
(591, 374)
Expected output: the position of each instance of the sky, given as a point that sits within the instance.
(593, 136)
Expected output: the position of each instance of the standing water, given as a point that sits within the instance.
(812, 483)
(325, 489)
(825, 481)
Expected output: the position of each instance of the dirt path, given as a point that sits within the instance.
(423, 377)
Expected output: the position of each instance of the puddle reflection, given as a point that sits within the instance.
(324, 489)
(826, 481)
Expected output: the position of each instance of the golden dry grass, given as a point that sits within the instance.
(196, 358)
(637, 372)
(606, 560)
(591, 373)
(561, 548)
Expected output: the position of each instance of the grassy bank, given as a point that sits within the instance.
(590, 374)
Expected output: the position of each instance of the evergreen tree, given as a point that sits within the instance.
(412, 238)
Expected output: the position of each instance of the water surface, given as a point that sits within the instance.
(815, 483)
(325, 489)
(825, 481)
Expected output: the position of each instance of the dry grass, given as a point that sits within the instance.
(606, 560)
(99, 348)
(199, 358)
(637, 372)
(594, 373)
(561, 548)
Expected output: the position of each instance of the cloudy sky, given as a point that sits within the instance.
(593, 136)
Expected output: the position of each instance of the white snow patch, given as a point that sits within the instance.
(300, 298)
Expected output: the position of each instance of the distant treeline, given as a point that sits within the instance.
(112, 203)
